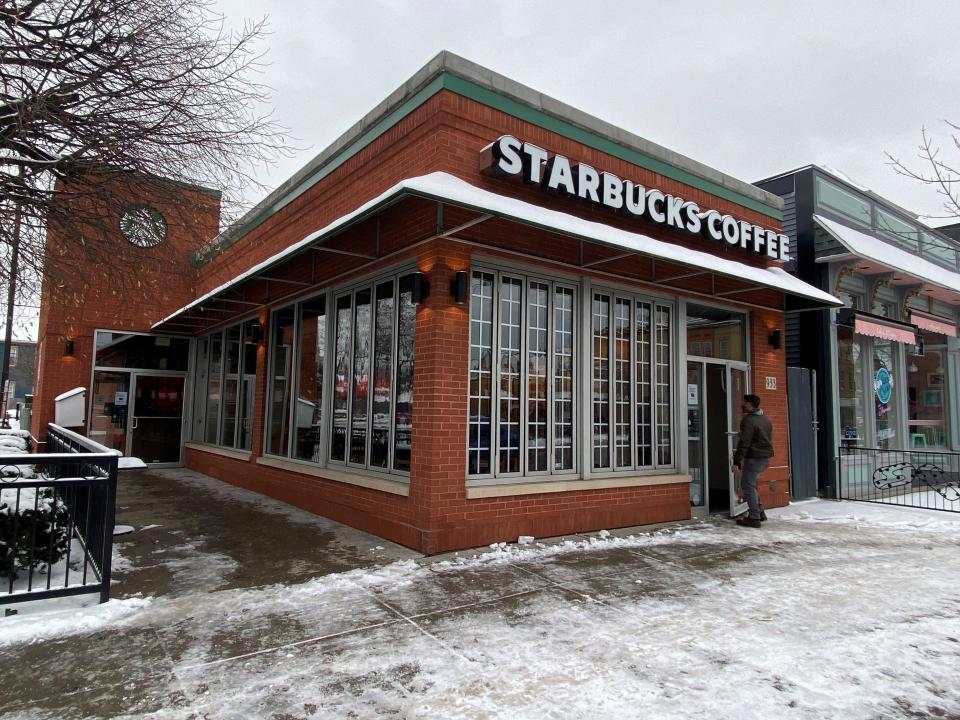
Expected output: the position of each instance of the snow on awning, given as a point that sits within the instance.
(935, 324)
(446, 188)
(878, 327)
(889, 256)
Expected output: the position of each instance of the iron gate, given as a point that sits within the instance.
(927, 479)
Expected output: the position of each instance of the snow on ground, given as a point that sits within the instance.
(830, 610)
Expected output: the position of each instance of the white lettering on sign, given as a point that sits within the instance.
(771, 383)
(554, 173)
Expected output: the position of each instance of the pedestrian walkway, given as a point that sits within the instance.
(821, 613)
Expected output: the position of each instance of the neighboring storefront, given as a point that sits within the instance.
(888, 370)
(480, 314)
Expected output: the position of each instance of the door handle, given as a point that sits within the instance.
(134, 426)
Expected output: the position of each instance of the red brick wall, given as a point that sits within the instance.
(94, 278)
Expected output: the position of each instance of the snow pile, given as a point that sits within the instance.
(34, 628)
(874, 515)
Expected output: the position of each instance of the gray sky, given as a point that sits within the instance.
(750, 88)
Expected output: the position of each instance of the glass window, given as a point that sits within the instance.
(309, 409)
(361, 379)
(899, 231)
(383, 335)
(851, 390)
(632, 385)
(563, 385)
(927, 393)
(938, 250)
(527, 325)
(226, 376)
(149, 352)
(213, 389)
(281, 360)
(885, 389)
(342, 365)
(831, 197)
(231, 383)
(715, 332)
(480, 412)
(375, 328)
(403, 411)
(509, 371)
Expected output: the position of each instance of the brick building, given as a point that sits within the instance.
(479, 314)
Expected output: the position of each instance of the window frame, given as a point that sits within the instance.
(655, 302)
(331, 296)
(527, 278)
(194, 374)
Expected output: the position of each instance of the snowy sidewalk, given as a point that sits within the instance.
(830, 610)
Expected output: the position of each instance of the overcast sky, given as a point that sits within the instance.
(750, 88)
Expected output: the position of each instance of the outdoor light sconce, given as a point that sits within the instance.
(256, 333)
(774, 339)
(68, 347)
(458, 287)
(421, 288)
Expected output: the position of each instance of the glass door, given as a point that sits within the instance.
(696, 434)
(737, 382)
(108, 409)
(157, 419)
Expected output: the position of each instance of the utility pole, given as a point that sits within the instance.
(11, 297)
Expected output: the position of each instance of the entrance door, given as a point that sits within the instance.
(157, 418)
(714, 393)
(108, 409)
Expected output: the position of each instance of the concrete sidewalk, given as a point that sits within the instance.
(196, 534)
(839, 618)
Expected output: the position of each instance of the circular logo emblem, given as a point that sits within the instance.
(143, 226)
(883, 385)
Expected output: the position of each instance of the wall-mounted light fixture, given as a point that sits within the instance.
(68, 347)
(255, 332)
(458, 287)
(421, 288)
(774, 339)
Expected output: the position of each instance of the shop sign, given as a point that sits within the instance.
(509, 156)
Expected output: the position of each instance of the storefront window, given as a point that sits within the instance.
(515, 320)
(375, 327)
(631, 390)
(310, 360)
(886, 381)
(851, 391)
(715, 333)
(145, 352)
(927, 393)
(281, 359)
(226, 374)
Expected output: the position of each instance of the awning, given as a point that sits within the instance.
(451, 190)
(889, 258)
(944, 326)
(878, 327)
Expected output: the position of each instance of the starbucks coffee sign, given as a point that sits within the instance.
(509, 156)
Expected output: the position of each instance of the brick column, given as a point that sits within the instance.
(438, 465)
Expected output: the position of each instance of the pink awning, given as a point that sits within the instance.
(934, 324)
(881, 330)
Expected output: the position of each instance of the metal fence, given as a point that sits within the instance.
(57, 512)
(928, 479)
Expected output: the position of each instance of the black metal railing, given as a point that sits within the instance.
(928, 479)
(56, 519)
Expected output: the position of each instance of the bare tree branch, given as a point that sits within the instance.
(943, 176)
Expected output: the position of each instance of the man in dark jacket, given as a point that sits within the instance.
(752, 456)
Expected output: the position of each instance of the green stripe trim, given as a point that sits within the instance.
(496, 101)
(597, 142)
(375, 131)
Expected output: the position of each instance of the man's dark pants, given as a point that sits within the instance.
(752, 467)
